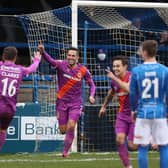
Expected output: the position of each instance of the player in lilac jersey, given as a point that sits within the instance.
(10, 78)
(124, 126)
(69, 95)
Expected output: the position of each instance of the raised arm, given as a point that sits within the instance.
(123, 85)
(34, 65)
(45, 55)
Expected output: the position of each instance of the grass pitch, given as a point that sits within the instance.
(75, 160)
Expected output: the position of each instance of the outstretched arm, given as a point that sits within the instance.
(34, 65)
(123, 85)
(45, 55)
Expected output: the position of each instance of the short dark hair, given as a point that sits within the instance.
(150, 46)
(75, 49)
(9, 53)
(123, 59)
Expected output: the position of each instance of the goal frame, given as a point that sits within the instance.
(76, 3)
(74, 17)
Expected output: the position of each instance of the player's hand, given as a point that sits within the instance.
(37, 55)
(133, 116)
(110, 74)
(102, 111)
(91, 99)
(41, 48)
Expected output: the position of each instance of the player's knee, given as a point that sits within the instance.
(70, 128)
(2, 130)
(62, 132)
(62, 129)
(132, 146)
(154, 146)
(71, 125)
(120, 140)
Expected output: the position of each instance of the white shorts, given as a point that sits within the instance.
(145, 128)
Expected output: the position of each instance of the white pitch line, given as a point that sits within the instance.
(61, 160)
(65, 160)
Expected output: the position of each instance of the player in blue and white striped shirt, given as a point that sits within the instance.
(149, 100)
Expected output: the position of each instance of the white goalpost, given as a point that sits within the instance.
(106, 10)
(78, 3)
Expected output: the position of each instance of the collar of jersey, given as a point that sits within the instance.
(154, 62)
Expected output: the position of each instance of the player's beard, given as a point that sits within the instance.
(72, 62)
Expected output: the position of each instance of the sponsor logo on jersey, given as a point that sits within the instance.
(72, 77)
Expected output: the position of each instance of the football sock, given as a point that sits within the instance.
(123, 154)
(2, 138)
(142, 156)
(68, 140)
(163, 156)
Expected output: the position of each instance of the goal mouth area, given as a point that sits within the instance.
(115, 30)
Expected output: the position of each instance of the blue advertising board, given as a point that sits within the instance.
(29, 132)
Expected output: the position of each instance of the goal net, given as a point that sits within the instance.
(101, 30)
(56, 36)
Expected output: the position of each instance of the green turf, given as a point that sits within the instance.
(75, 160)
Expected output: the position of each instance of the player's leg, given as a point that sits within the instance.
(142, 135)
(130, 136)
(74, 114)
(4, 124)
(163, 149)
(160, 128)
(121, 128)
(2, 137)
(69, 136)
(142, 156)
(154, 146)
(62, 116)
